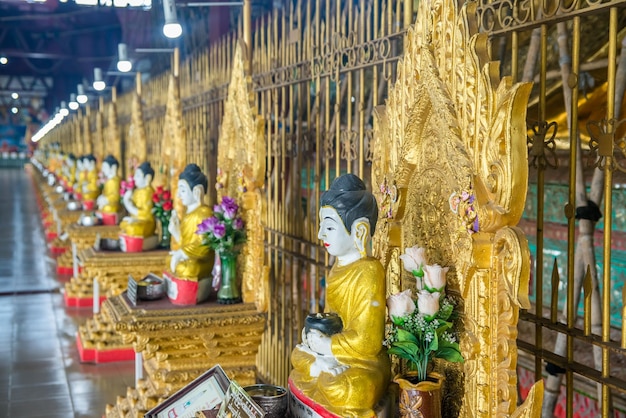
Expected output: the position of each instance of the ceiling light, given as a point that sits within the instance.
(81, 97)
(172, 28)
(64, 110)
(15, 96)
(73, 103)
(123, 64)
(3, 60)
(14, 110)
(98, 83)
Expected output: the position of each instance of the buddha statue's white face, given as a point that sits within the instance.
(79, 165)
(337, 240)
(109, 170)
(89, 165)
(141, 180)
(185, 194)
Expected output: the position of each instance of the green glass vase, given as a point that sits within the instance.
(229, 288)
(166, 237)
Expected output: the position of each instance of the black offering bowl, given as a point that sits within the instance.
(326, 323)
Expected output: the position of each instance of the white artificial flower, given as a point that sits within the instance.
(435, 276)
(400, 304)
(413, 258)
(428, 303)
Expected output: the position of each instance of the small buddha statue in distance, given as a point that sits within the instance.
(90, 189)
(109, 200)
(140, 222)
(191, 264)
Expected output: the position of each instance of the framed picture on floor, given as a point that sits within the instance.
(205, 393)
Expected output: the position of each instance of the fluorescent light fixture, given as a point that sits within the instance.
(171, 28)
(73, 103)
(98, 83)
(123, 64)
(81, 97)
(64, 110)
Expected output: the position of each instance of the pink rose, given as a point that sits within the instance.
(400, 304)
(428, 303)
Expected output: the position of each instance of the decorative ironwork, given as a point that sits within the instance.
(541, 145)
(501, 16)
(606, 152)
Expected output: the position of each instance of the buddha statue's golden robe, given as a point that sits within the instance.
(92, 190)
(70, 177)
(356, 292)
(111, 191)
(143, 223)
(200, 262)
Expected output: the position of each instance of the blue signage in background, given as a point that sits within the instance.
(12, 138)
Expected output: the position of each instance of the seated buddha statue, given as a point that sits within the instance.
(192, 262)
(81, 177)
(69, 172)
(347, 372)
(90, 189)
(138, 203)
(109, 200)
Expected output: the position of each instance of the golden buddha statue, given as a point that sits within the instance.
(347, 372)
(109, 200)
(90, 188)
(140, 223)
(81, 177)
(192, 261)
(69, 172)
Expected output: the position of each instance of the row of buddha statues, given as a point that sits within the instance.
(345, 372)
(79, 183)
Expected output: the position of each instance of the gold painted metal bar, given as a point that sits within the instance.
(337, 106)
(573, 128)
(514, 56)
(247, 32)
(361, 105)
(624, 317)
(540, 219)
(408, 13)
(608, 220)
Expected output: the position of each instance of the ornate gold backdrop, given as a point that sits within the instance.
(453, 129)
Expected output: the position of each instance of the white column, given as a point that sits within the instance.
(96, 295)
(138, 368)
(75, 260)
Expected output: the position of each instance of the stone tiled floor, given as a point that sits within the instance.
(40, 371)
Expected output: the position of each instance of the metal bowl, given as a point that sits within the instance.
(273, 399)
(151, 287)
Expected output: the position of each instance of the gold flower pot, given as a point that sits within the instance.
(420, 399)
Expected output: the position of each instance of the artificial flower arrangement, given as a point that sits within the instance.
(422, 329)
(163, 205)
(225, 230)
(126, 185)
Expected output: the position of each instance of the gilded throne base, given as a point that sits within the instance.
(180, 343)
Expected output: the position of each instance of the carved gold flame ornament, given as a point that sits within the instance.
(450, 173)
